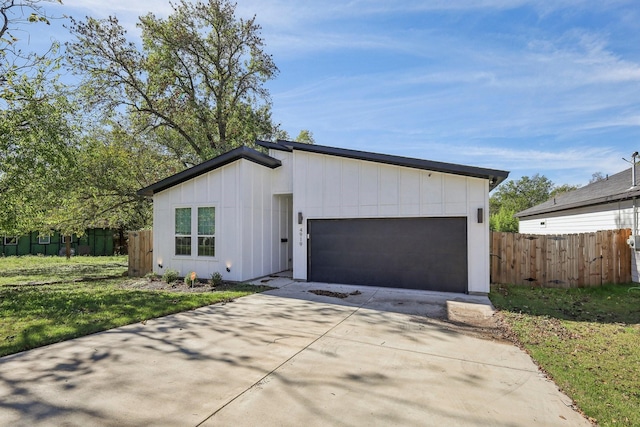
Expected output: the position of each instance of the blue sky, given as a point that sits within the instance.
(528, 86)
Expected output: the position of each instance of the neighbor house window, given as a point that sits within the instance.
(11, 241)
(183, 231)
(206, 231)
(44, 240)
(66, 239)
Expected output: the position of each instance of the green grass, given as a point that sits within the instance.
(587, 339)
(36, 315)
(30, 269)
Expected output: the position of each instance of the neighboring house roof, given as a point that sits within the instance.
(217, 162)
(613, 188)
(495, 177)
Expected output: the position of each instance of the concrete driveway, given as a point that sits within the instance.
(289, 357)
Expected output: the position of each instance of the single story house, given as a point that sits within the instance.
(608, 204)
(95, 241)
(328, 214)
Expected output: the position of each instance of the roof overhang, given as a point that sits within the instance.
(632, 193)
(239, 153)
(495, 177)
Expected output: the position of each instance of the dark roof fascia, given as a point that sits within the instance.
(273, 145)
(243, 152)
(635, 192)
(495, 177)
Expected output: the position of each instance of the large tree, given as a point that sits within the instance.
(113, 165)
(37, 149)
(196, 79)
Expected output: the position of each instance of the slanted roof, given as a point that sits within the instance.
(495, 177)
(613, 188)
(217, 162)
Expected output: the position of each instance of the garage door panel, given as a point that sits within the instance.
(414, 253)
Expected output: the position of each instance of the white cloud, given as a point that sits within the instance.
(566, 83)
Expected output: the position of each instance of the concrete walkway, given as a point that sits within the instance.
(287, 357)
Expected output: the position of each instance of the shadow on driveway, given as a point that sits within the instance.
(286, 357)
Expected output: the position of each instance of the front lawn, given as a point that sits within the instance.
(586, 339)
(38, 306)
(32, 269)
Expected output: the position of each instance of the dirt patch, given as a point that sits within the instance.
(472, 320)
(161, 285)
(341, 295)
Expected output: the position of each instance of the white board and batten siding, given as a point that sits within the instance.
(249, 223)
(331, 187)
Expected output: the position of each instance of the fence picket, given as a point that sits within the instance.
(140, 253)
(569, 260)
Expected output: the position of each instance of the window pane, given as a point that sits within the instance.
(206, 221)
(183, 245)
(183, 221)
(206, 246)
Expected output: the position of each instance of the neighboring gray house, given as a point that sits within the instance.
(604, 205)
(328, 214)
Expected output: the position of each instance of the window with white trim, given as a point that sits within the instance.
(183, 231)
(66, 239)
(44, 240)
(206, 231)
(10, 240)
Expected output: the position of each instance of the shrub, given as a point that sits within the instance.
(152, 276)
(216, 279)
(170, 276)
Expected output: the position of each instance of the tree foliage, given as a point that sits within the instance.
(515, 196)
(192, 87)
(113, 165)
(305, 136)
(14, 14)
(37, 150)
(523, 193)
(197, 82)
(564, 188)
(597, 176)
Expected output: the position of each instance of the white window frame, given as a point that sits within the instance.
(194, 231)
(8, 240)
(205, 236)
(64, 239)
(175, 232)
(44, 240)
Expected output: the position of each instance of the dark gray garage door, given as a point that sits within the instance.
(413, 253)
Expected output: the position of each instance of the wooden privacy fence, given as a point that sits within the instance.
(140, 253)
(561, 261)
